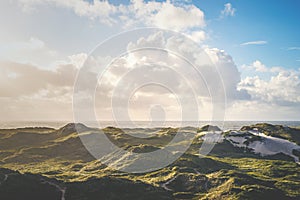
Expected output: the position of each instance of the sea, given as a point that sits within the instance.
(226, 125)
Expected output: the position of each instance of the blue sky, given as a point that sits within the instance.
(276, 22)
(255, 43)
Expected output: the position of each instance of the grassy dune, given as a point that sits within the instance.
(54, 164)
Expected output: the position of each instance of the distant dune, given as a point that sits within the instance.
(259, 161)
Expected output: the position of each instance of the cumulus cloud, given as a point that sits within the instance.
(137, 12)
(182, 17)
(283, 88)
(228, 10)
(78, 59)
(274, 93)
(101, 10)
(207, 60)
(198, 36)
(27, 88)
(31, 86)
(229, 73)
(257, 66)
(151, 74)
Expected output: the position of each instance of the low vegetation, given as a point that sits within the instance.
(44, 163)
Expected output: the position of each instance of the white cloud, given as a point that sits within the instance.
(160, 14)
(282, 89)
(228, 10)
(259, 67)
(256, 66)
(184, 72)
(229, 73)
(198, 36)
(293, 48)
(28, 92)
(275, 93)
(50, 90)
(101, 10)
(178, 18)
(33, 50)
(78, 59)
(25, 87)
(24, 79)
(32, 44)
(258, 42)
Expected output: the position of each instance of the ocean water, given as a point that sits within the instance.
(226, 125)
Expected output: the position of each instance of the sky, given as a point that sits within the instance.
(255, 45)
